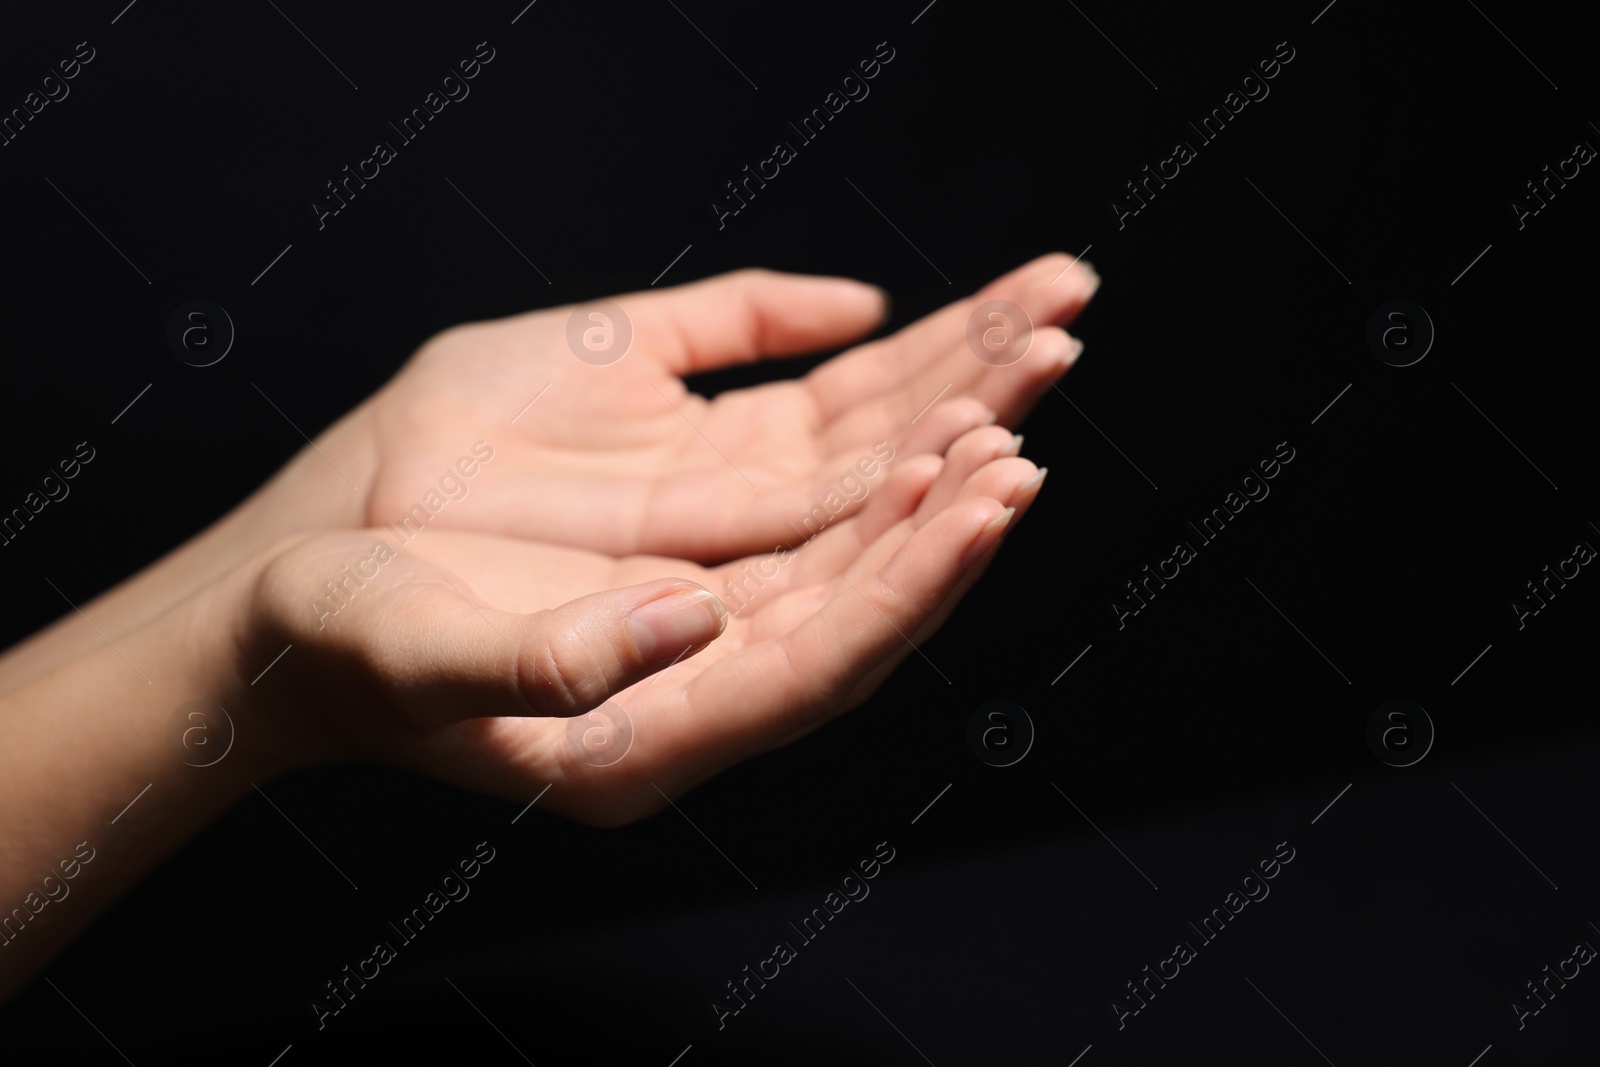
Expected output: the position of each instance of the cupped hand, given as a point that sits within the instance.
(622, 458)
(473, 658)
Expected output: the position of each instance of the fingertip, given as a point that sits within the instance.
(982, 445)
(687, 617)
(1027, 492)
(1073, 352)
(987, 538)
(1057, 350)
(886, 306)
(873, 301)
(915, 470)
(936, 430)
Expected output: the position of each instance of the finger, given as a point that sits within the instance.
(835, 489)
(930, 625)
(455, 660)
(881, 365)
(1046, 306)
(1013, 389)
(1057, 353)
(936, 427)
(874, 678)
(1010, 390)
(864, 546)
(1053, 289)
(902, 415)
(974, 452)
(748, 315)
(758, 580)
(799, 679)
(984, 464)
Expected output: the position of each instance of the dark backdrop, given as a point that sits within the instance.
(1173, 756)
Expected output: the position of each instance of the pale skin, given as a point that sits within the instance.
(529, 601)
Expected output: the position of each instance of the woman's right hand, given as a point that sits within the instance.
(465, 657)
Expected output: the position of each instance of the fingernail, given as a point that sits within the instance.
(1094, 275)
(1074, 350)
(1035, 482)
(991, 418)
(888, 306)
(1014, 447)
(986, 538)
(670, 626)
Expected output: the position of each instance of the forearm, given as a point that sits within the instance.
(93, 793)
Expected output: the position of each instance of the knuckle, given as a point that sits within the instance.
(967, 410)
(560, 672)
(985, 441)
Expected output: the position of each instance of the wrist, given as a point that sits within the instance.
(219, 730)
(244, 665)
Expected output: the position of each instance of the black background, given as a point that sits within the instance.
(1198, 737)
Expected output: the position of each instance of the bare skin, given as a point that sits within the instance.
(618, 458)
(463, 654)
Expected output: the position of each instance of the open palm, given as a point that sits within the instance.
(623, 458)
(458, 659)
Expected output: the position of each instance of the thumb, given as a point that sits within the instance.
(559, 662)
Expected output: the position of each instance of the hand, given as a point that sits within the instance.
(623, 458)
(458, 652)
(458, 656)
